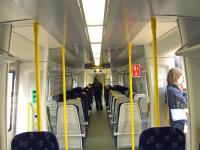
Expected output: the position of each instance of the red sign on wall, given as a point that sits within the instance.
(136, 70)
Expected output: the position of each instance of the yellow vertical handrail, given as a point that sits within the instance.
(37, 71)
(86, 79)
(131, 94)
(155, 63)
(103, 85)
(167, 115)
(29, 116)
(64, 99)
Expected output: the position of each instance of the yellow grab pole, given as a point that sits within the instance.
(167, 117)
(29, 116)
(64, 99)
(155, 62)
(86, 78)
(103, 85)
(131, 94)
(37, 71)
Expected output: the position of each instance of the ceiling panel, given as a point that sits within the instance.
(64, 21)
(145, 35)
(10, 11)
(177, 7)
(126, 17)
(27, 32)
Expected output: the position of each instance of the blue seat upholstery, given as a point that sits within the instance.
(163, 138)
(35, 141)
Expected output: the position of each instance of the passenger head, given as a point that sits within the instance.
(175, 76)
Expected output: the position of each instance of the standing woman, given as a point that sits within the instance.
(176, 100)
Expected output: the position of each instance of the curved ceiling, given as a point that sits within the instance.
(64, 18)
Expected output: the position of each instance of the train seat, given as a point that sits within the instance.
(137, 97)
(162, 138)
(35, 141)
(144, 105)
(53, 108)
(50, 128)
(120, 96)
(77, 102)
(74, 129)
(124, 123)
(117, 110)
(115, 98)
(112, 97)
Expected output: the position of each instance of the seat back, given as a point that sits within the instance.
(162, 138)
(113, 94)
(117, 97)
(137, 97)
(53, 108)
(49, 120)
(117, 110)
(124, 126)
(144, 105)
(74, 131)
(77, 102)
(35, 141)
(126, 93)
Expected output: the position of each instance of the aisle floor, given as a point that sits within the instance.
(99, 133)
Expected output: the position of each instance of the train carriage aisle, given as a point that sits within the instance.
(99, 133)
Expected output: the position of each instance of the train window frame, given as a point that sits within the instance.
(10, 127)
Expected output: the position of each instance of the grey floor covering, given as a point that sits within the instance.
(99, 133)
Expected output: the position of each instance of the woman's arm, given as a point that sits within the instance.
(180, 100)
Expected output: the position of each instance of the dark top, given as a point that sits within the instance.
(97, 88)
(175, 97)
(176, 100)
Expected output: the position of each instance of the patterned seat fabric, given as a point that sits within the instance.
(35, 141)
(163, 138)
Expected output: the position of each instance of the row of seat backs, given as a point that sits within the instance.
(71, 94)
(121, 89)
(111, 97)
(86, 101)
(120, 113)
(141, 99)
(116, 101)
(52, 114)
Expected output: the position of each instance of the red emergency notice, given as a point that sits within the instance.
(136, 70)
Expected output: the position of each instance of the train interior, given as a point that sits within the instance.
(95, 48)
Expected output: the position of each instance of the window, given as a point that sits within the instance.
(10, 96)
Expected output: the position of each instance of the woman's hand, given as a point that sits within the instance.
(186, 111)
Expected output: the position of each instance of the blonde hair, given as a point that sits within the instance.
(173, 75)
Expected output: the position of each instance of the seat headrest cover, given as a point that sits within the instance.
(35, 141)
